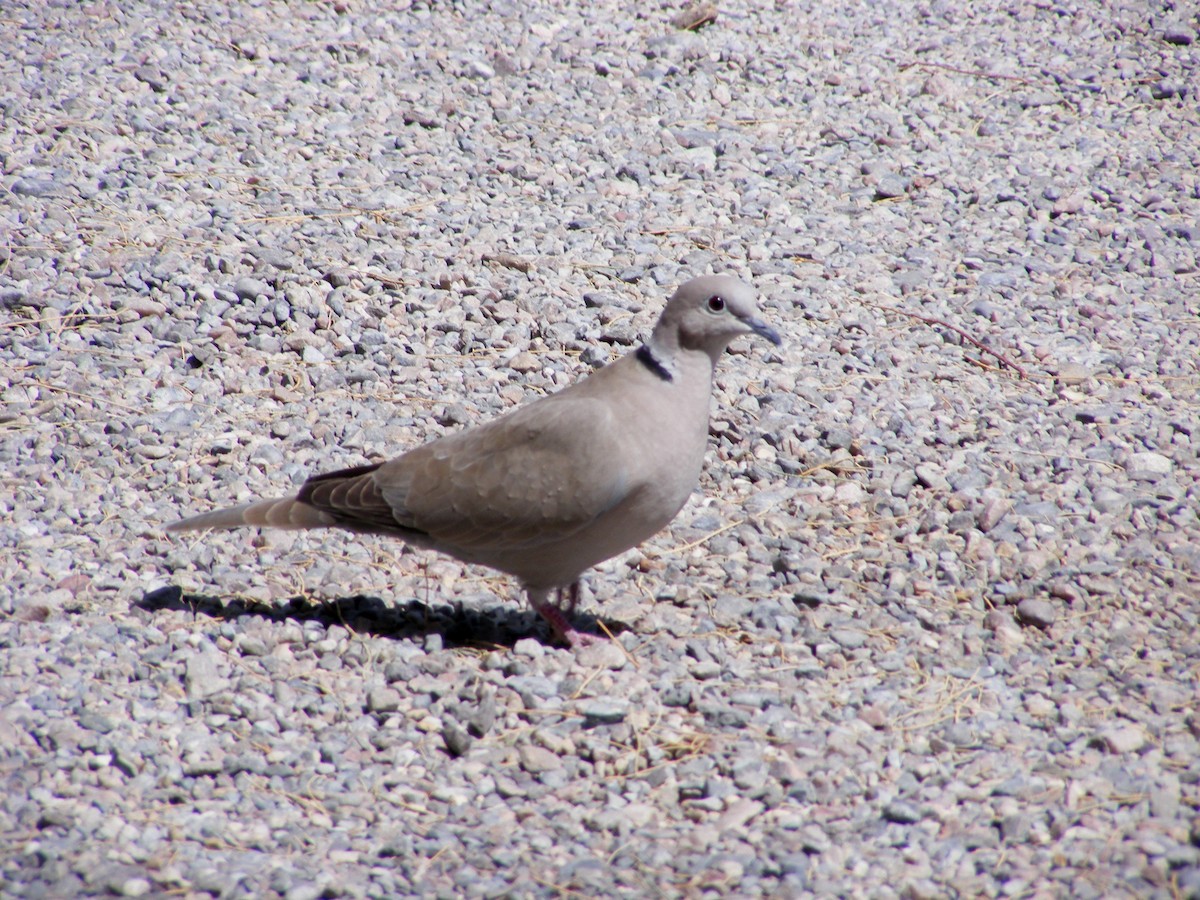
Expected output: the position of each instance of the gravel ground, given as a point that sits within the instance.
(929, 627)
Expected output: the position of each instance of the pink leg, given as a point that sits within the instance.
(572, 595)
(558, 621)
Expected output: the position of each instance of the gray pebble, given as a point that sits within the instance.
(604, 712)
(1127, 738)
(1108, 501)
(930, 477)
(1179, 33)
(202, 678)
(891, 186)
(247, 288)
(848, 638)
(992, 513)
(902, 813)
(1039, 613)
(135, 887)
(384, 700)
(34, 187)
(456, 738)
(1148, 466)
(477, 68)
(538, 760)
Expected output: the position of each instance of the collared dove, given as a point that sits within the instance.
(558, 485)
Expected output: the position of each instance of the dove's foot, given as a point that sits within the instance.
(571, 595)
(559, 623)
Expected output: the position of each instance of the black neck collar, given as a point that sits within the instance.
(647, 358)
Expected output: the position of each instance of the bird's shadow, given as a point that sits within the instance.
(458, 625)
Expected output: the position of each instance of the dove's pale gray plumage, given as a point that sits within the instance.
(558, 485)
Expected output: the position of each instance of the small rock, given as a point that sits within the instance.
(272, 256)
(531, 648)
(1179, 33)
(34, 187)
(536, 760)
(201, 678)
(235, 764)
(695, 15)
(1040, 98)
(305, 890)
(601, 655)
(1128, 738)
(1107, 501)
(848, 638)
(814, 839)
(595, 356)
(991, 514)
(203, 766)
(1165, 799)
(1148, 466)
(930, 477)
(509, 261)
(891, 186)
(456, 738)
(477, 68)
(1072, 375)
(135, 887)
(1015, 829)
(151, 76)
(704, 669)
(902, 484)
(1069, 205)
(481, 719)
(719, 715)
(96, 721)
(851, 493)
(1039, 613)
(875, 716)
(251, 645)
(1004, 627)
(383, 700)
(677, 695)
(525, 362)
(739, 812)
(248, 288)
(902, 813)
(837, 438)
(604, 712)
(1168, 88)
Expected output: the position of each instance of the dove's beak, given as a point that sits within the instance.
(763, 330)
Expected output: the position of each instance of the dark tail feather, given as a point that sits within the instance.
(283, 512)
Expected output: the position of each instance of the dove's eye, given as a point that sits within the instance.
(716, 303)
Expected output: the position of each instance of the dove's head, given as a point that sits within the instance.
(707, 313)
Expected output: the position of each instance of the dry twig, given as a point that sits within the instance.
(991, 76)
(973, 341)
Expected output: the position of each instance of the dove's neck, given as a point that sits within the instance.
(666, 356)
(658, 366)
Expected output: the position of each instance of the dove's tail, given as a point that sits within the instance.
(282, 512)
